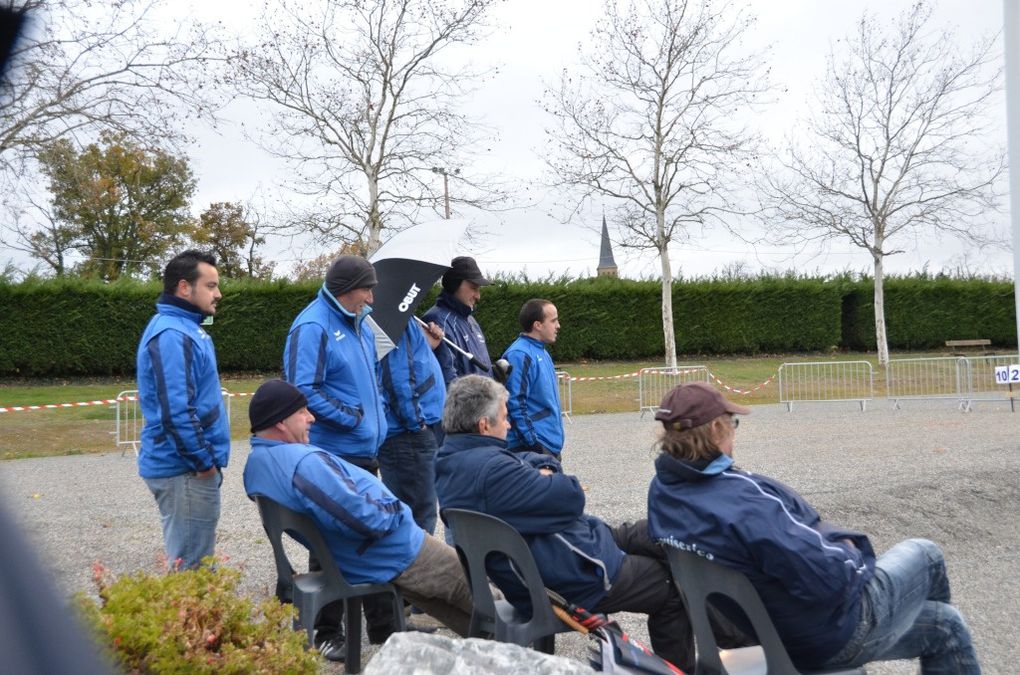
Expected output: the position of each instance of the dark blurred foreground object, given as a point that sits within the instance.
(10, 25)
(38, 633)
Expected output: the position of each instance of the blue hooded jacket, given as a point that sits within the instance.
(412, 382)
(454, 317)
(186, 426)
(575, 553)
(808, 578)
(330, 356)
(534, 403)
(371, 534)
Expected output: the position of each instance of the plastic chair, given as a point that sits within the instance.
(697, 578)
(476, 536)
(314, 590)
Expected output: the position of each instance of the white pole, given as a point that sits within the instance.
(1011, 53)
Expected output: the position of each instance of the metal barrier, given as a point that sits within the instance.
(826, 381)
(925, 378)
(129, 420)
(566, 394)
(979, 378)
(654, 383)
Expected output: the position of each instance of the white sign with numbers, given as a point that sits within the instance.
(1007, 374)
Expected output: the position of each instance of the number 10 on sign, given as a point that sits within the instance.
(1007, 374)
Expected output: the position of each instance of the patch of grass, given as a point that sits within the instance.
(65, 431)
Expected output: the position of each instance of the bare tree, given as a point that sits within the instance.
(651, 122)
(82, 67)
(894, 148)
(364, 103)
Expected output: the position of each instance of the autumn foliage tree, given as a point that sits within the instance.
(233, 235)
(122, 207)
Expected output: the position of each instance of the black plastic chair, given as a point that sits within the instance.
(314, 590)
(476, 536)
(697, 578)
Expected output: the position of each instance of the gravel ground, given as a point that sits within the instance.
(928, 470)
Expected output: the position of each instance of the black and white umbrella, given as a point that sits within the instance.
(407, 266)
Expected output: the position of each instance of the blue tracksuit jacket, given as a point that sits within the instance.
(809, 580)
(186, 426)
(454, 317)
(371, 534)
(412, 383)
(534, 403)
(575, 553)
(330, 356)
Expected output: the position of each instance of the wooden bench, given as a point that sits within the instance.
(982, 344)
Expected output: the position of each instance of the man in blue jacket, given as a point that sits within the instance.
(833, 604)
(330, 356)
(371, 534)
(453, 313)
(186, 438)
(412, 383)
(536, 423)
(578, 555)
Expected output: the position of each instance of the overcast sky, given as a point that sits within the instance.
(532, 41)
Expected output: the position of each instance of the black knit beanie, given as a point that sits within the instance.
(274, 402)
(349, 272)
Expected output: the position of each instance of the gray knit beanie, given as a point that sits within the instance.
(349, 272)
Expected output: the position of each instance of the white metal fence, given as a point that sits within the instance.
(826, 381)
(129, 420)
(965, 379)
(654, 383)
(566, 394)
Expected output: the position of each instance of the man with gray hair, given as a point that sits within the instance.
(579, 555)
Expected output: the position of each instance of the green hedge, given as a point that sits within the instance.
(922, 313)
(79, 328)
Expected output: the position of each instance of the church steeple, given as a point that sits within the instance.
(607, 266)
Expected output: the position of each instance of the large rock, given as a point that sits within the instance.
(424, 654)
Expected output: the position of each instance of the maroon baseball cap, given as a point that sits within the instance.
(694, 404)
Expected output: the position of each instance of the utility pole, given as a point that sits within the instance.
(446, 185)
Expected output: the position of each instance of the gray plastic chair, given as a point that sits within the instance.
(476, 536)
(697, 578)
(314, 590)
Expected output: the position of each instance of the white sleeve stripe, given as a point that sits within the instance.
(816, 533)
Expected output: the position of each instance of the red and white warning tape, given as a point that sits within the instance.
(79, 404)
(743, 392)
(595, 378)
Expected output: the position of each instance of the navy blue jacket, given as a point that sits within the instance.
(330, 356)
(412, 383)
(454, 317)
(809, 579)
(186, 426)
(534, 403)
(371, 534)
(575, 553)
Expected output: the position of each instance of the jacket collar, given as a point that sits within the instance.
(335, 305)
(447, 300)
(537, 343)
(671, 470)
(462, 442)
(171, 304)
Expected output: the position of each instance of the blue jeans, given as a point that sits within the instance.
(905, 614)
(407, 465)
(190, 509)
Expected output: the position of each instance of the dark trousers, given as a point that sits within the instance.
(644, 585)
(407, 462)
(378, 609)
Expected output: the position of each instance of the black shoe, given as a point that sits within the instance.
(332, 647)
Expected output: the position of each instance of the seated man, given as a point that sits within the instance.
(578, 555)
(832, 603)
(371, 534)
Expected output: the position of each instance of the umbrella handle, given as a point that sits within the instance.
(565, 617)
(471, 357)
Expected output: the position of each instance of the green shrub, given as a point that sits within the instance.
(194, 622)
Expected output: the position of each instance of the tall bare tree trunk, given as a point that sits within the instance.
(881, 341)
(668, 334)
